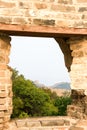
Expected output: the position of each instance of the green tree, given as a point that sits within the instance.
(61, 103)
(52, 95)
(29, 99)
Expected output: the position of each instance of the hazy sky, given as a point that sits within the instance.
(38, 59)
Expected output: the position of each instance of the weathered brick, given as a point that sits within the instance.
(82, 123)
(4, 4)
(3, 107)
(79, 24)
(76, 128)
(2, 87)
(19, 20)
(65, 1)
(5, 81)
(5, 20)
(25, 4)
(70, 16)
(44, 22)
(53, 123)
(23, 128)
(41, 5)
(1, 126)
(21, 123)
(3, 94)
(77, 54)
(41, 128)
(6, 118)
(1, 120)
(1, 114)
(2, 74)
(82, 1)
(67, 122)
(2, 101)
(65, 24)
(84, 17)
(33, 123)
(62, 8)
(11, 12)
(82, 9)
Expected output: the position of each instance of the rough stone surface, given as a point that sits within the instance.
(78, 74)
(74, 124)
(44, 13)
(5, 81)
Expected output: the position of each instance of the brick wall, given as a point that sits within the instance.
(48, 123)
(56, 13)
(5, 82)
(47, 13)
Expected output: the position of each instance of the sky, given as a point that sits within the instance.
(38, 59)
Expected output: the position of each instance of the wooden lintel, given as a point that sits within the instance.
(44, 31)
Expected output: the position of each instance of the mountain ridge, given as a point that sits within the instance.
(60, 85)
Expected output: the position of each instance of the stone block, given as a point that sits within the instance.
(76, 128)
(1, 126)
(1, 114)
(33, 123)
(41, 5)
(52, 123)
(3, 94)
(21, 123)
(3, 67)
(19, 20)
(4, 4)
(75, 111)
(2, 87)
(44, 22)
(65, 1)
(3, 107)
(1, 120)
(5, 20)
(2, 101)
(77, 53)
(67, 122)
(62, 8)
(7, 118)
(22, 128)
(41, 128)
(82, 1)
(84, 16)
(82, 123)
(82, 9)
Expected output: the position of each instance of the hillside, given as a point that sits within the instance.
(61, 85)
(60, 88)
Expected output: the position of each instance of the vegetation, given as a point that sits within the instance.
(29, 100)
(61, 103)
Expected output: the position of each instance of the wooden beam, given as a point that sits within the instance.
(44, 31)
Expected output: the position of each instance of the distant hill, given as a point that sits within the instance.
(62, 85)
(60, 88)
(36, 82)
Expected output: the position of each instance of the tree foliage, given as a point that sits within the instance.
(29, 100)
(61, 103)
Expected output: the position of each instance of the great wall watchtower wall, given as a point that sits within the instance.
(55, 13)
(66, 21)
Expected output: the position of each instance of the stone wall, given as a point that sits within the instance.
(48, 123)
(5, 82)
(78, 75)
(56, 13)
